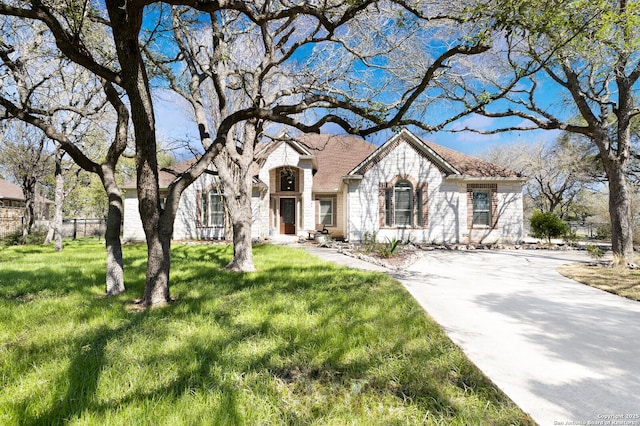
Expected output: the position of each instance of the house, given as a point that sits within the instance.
(10, 195)
(406, 188)
(12, 204)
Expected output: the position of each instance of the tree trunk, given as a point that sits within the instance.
(126, 23)
(115, 268)
(156, 290)
(59, 201)
(237, 182)
(55, 226)
(242, 250)
(28, 218)
(620, 212)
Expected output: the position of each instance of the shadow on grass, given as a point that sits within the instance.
(238, 339)
(83, 375)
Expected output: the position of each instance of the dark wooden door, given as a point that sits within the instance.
(288, 216)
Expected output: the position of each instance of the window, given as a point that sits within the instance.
(481, 207)
(326, 211)
(404, 204)
(216, 209)
(287, 180)
(401, 206)
(212, 209)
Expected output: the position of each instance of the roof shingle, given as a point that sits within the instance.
(9, 191)
(468, 165)
(336, 155)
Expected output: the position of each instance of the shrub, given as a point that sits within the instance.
(547, 225)
(594, 251)
(15, 238)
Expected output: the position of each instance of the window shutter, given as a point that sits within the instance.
(494, 206)
(391, 205)
(334, 210)
(199, 208)
(382, 193)
(469, 206)
(422, 205)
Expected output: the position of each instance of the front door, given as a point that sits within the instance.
(288, 216)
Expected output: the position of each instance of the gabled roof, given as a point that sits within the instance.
(165, 175)
(264, 149)
(448, 161)
(336, 156)
(9, 191)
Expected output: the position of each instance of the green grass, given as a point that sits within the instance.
(299, 342)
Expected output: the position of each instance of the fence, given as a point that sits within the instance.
(9, 225)
(77, 228)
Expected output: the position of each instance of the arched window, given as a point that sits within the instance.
(288, 180)
(403, 205)
(403, 196)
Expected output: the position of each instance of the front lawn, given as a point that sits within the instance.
(299, 342)
(621, 281)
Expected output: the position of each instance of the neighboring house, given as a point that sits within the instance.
(10, 195)
(12, 203)
(406, 188)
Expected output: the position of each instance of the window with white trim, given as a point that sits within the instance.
(326, 211)
(212, 209)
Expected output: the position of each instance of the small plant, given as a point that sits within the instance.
(547, 225)
(387, 250)
(570, 237)
(594, 251)
(369, 242)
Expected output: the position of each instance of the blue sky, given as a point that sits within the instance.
(174, 124)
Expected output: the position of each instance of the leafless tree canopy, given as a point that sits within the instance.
(364, 66)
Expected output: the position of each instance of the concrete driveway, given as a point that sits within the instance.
(564, 352)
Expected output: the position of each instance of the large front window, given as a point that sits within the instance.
(403, 205)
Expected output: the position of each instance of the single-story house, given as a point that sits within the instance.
(12, 204)
(10, 195)
(407, 188)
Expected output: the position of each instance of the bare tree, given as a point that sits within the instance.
(244, 72)
(60, 99)
(558, 171)
(589, 54)
(287, 31)
(25, 156)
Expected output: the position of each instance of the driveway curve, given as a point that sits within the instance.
(564, 352)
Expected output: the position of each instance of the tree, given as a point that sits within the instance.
(589, 52)
(547, 225)
(60, 99)
(557, 171)
(288, 31)
(55, 226)
(25, 156)
(244, 71)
